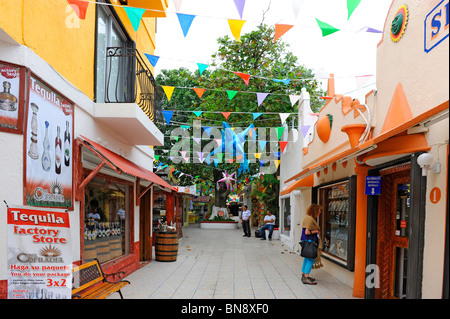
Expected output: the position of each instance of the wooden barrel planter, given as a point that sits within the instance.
(166, 246)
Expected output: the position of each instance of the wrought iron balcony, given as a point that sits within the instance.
(128, 80)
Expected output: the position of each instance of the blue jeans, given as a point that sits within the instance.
(307, 265)
(263, 230)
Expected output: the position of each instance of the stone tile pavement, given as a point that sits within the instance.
(221, 264)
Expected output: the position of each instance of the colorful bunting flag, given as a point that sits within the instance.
(326, 28)
(167, 116)
(185, 22)
(277, 163)
(261, 97)
(283, 146)
(369, 29)
(80, 7)
(304, 130)
(184, 127)
(256, 115)
(279, 131)
(168, 90)
(281, 29)
(231, 94)
(197, 139)
(199, 92)
(284, 116)
(207, 130)
(152, 58)
(202, 67)
(245, 77)
(296, 5)
(198, 113)
(262, 145)
(240, 4)
(294, 99)
(285, 81)
(177, 4)
(226, 114)
(351, 6)
(135, 16)
(236, 27)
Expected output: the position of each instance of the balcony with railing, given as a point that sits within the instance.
(130, 99)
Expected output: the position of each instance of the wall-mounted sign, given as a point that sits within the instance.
(39, 254)
(436, 25)
(373, 185)
(12, 86)
(435, 195)
(398, 24)
(201, 199)
(48, 141)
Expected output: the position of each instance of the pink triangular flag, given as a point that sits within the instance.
(177, 4)
(226, 114)
(245, 77)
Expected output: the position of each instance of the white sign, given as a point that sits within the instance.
(39, 254)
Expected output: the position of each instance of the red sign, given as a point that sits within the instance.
(435, 195)
(403, 224)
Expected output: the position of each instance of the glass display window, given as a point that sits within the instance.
(337, 222)
(286, 215)
(107, 219)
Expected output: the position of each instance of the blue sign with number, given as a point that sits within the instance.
(373, 185)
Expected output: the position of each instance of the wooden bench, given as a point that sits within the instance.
(89, 282)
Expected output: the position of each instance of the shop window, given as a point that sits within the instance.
(286, 211)
(159, 210)
(107, 219)
(337, 222)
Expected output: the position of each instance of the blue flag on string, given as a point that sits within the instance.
(135, 16)
(185, 22)
(168, 116)
(152, 58)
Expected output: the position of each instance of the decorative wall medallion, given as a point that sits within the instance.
(398, 24)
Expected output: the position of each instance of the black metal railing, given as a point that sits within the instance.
(128, 80)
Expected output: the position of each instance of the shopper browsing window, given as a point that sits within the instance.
(311, 231)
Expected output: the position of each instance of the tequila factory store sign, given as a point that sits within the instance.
(49, 144)
(39, 254)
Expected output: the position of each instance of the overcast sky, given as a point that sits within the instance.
(346, 53)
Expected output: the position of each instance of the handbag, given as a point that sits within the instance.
(257, 233)
(309, 249)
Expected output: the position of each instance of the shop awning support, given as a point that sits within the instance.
(139, 194)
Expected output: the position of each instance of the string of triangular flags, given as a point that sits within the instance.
(135, 15)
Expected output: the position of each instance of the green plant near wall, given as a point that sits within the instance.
(266, 190)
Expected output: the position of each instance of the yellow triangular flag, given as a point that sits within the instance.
(277, 163)
(235, 27)
(168, 90)
(258, 155)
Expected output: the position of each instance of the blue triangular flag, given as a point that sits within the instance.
(202, 67)
(198, 113)
(256, 115)
(262, 144)
(152, 58)
(168, 116)
(261, 162)
(135, 16)
(207, 130)
(285, 81)
(216, 161)
(185, 22)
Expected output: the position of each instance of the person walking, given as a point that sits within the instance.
(269, 223)
(311, 231)
(245, 218)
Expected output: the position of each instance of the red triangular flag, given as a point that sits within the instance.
(281, 29)
(226, 114)
(283, 146)
(245, 77)
(199, 92)
(80, 7)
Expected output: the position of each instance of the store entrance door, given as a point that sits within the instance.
(393, 232)
(145, 224)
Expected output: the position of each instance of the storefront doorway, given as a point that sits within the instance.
(394, 207)
(145, 224)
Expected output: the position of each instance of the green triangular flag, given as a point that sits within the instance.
(157, 157)
(326, 28)
(220, 157)
(280, 131)
(135, 16)
(231, 94)
(351, 6)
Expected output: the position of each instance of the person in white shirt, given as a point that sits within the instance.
(245, 217)
(269, 223)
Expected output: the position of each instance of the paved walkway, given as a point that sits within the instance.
(221, 264)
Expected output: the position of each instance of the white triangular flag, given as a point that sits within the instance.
(294, 99)
(284, 116)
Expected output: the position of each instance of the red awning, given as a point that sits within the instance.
(121, 164)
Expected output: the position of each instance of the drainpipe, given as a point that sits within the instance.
(354, 132)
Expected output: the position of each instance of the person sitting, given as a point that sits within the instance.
(269, 223)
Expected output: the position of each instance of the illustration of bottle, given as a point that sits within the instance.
(67, 145)
(8, 101)
(33, 151)
(57, 152)
(46, 159)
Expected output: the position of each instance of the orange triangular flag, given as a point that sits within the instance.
(281, 29)
(199, 92)
(244, 76)
(226, 114)
(283, 146)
